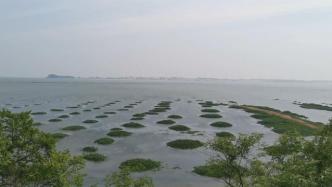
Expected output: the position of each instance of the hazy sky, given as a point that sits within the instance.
(276, 39)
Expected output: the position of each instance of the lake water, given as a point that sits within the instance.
(150, 142)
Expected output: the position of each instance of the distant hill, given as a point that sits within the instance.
(54, 76)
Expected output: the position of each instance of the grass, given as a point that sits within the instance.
(208, 104)
(109, 112)
(166, 122)
(72, 107)
(95, 157)
(73, 128)
(185, 144)
(90, 149)
(140, 165)
(211, 170)
(139, 115)
(102, 116)
(116, 129)
(123, 109)
(59, 135)
(55, 120)
(90, 121)
(175, 117)
(211, 116)
(75, 113)
(151, 113)
(96, 108)
(179, 128)
(220, 124)
(64, 116)
(87, 110)
(133, 125)
(104, 141)
(119, 133)
(137, 118)
(315, 106)
(210, 110)
(57, 110)
(38, 113)
(225, 135)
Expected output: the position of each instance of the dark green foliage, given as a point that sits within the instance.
(133, 125)
(109, 112)
(73, 128)
(28, 156)
(185, 144)
(87, 110)
(211, 170)
(116, 129)
(210, 110)
(140, 165)
(119, 133)
(166, 122)
(104, 141)
(38, 113)
(179, 128)
(208, 104)
(220, 124)
(73, 107)
(57, 110)
(211, 116)
(151, 113)
(75, 113)
(90, 149)
(139, 115)
(95, 157)
(315, 106)
(175, 117)
(90, 121)
(123, 179)
(102, 116)
(137, 118)
(123, 109)
(59, 135)
(96, 108)
(64, 116)
(55, 120)
(225, 135)
(37, 124)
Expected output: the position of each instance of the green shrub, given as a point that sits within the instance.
(179, 128)
(220, 124)
(104, 141)
(211, 170)
(185, 144)
(140, 165)
(95, 157)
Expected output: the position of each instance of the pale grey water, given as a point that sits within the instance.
(150, 142)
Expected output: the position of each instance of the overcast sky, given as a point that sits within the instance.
(264, 39)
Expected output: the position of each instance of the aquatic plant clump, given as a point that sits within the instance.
(140, 165)
(185, 144)
(119, 133)
(116, 129)
(75, 113)
(55, 120)
(225, 135)
(87, 110)
(104, 141)
(57, 110)
(179, 128)
(38, 113)
(211, 116)
(166, 122)
(90, 121)
(64, 116)
(175, 117)
(137, 118)
(211, 170)
(315, 106)
(109, 112)
(139, 115)
(95, 157)
(90, 149)
(210, 110)
(133, 125)
(74, 128)
(220, 124)
(59, 135)
(102, 116)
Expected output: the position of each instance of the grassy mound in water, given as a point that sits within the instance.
(140, 165)
(139, 115)
(55, 120)
(87, 110)
(95, 157)
(96, 108)
(220, 124)
(90, 149)
(59, 135)
(57, 110)
(119, 133)
(315, 106)
(210, 110)
(179, 128)
(116, 129)
(166, 122)
(122, 109)
(133, 125)
(104, 141)
(64, 116)
(90, 121)
(38, 113)
(73, 128)
(175, 117)
(151, 113)
(208, 104)
(225, 135)
(109, 112)
(211, 170)
(75, 113)
(185, 144)
(137, 118)
(211, 116)
(37, 124)
(102, 116)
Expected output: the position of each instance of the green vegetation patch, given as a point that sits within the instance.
(179, 128)
(75, 113)
(57, 110)
(185, 144)
(109, 112)
(90, 149)
(151, 113)
(209, 104)
(140, 165)
(175, 117)
(315, 106)
(210, 110)
(64, 116)
(95, 157)
(123, 109)
(166, 122)
(37, 124)
(90, 121)
(104, 141)
(87, 110)
(137, 118)
(38, 113)
(55, 120)
(102, 116)
(116, 129)
(225, 135)
(139, 115)
(211, 116)
(133, 125)
(73, 128)
(119, 133)
(59, 135)
(211, 170)
(220, 124)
